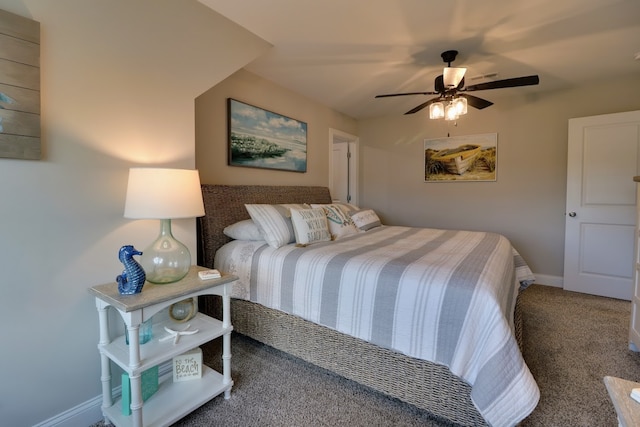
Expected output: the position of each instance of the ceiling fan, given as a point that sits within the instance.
(450, 88)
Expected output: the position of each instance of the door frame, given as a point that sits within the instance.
(335, 137)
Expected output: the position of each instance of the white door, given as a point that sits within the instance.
(341, 184)
(343, 167)
(603, 158)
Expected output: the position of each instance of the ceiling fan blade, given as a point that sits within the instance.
(476, 102)
(405, 94)
(423, 105)
(499, 84)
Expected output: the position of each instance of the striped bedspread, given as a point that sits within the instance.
(445, 296)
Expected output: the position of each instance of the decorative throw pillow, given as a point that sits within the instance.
(340, 224)
(347, 207)
(310, 226)
(274, 222)
(344, 207)
(365, 219)
(243, 230)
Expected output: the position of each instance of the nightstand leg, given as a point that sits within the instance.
(136, 400)
(226, 343)
(106, 385)
(226, 362)
(105, 376)
(136, 381)
(134, 345)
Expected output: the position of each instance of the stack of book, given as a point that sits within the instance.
(149, 387)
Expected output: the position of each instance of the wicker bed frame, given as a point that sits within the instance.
(427, 385)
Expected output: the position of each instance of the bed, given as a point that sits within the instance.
(467, 368)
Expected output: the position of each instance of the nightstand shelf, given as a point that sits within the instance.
(155, 352)
(173, 400)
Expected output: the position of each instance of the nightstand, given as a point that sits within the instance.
(628, 410)
(172, 401)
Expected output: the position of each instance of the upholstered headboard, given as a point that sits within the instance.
(224, 205)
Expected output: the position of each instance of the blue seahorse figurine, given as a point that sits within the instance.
(132, 278)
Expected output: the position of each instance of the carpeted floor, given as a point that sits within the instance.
(272, 388)
(571, 342)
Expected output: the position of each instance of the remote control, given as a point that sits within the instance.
(209, 274)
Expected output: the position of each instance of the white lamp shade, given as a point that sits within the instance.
(452, 76)
(163, 194)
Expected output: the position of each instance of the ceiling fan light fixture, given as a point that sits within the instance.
(452, 76)
(450, 112)
(460, 105)
(436, 110)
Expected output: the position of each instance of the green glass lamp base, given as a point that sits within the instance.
(166, 260)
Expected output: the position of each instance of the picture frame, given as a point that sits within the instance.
(260, 138)
(461, 158)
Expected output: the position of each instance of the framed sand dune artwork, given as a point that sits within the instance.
(461, 158)
(259, 138)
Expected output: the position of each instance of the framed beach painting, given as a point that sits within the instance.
(259, 138)
(461, 158)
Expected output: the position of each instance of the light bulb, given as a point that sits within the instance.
(450, 112)
(460, 105)
(436, 110)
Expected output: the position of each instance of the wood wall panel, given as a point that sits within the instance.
(19, 87)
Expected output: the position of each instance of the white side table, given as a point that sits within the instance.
(628, 410)
(172, 401)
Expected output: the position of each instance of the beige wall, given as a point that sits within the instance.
(119, 79)
(526, 203)
(211, 131)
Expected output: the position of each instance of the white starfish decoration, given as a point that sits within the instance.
(177, 334)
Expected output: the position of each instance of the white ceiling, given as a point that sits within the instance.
(342, 53)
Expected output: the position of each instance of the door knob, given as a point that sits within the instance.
(572, 214)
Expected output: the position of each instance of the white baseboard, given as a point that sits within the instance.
(544, 279)
(90, 412)
(83, 415)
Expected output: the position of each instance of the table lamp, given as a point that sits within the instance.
(164, 194)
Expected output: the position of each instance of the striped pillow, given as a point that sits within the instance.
(274, 222)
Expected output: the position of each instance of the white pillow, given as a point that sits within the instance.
(274, 222)
(243, 230)
(310, 226)
(365, 219)
(340, 224)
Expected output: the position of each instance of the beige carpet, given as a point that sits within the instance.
(571, 342)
